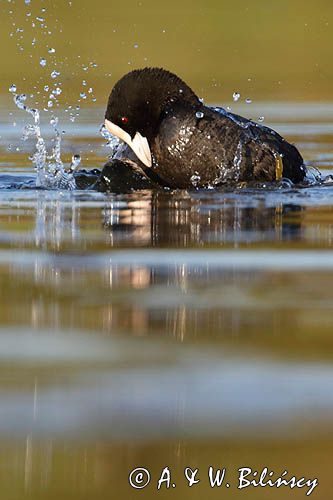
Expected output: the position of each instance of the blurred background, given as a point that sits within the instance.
(265, 50)
(172, 328)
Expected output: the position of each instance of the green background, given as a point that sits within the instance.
(267, 50)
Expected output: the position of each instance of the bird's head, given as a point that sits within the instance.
(137, 104)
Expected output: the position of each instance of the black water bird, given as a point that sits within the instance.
(180, 143)
(122, 176)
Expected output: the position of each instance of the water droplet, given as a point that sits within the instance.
(248, 101)
(261, 119)
(49, 104)
(112, 141)
(136, 45)
(57, 91)
(199, 114)
(236, 96)
(46, 88)
(27, 2)
(83, 95)
(19, 100)
(84, 83)
(51, 51)
(42, 62)
(76, 159)
(195, 179)
(328, 179)
(40, 19)
(12, 88)
(55, 74)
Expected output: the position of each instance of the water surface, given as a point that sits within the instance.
(164, 329)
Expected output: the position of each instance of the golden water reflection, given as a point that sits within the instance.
(54, 278)
(31, 469)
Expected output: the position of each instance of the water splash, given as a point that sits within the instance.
(199, 114)
(51, 172)
(313, 175)
(112, 141)
(195, 179)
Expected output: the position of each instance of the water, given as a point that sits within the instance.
(163, 328)
(55, 74)
(180, 329)
(50, 171)
(236, 96)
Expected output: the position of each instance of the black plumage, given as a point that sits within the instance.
(122, 177)
(192, 144)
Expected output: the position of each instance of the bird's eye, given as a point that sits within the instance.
(124, 119)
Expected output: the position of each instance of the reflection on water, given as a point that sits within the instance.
(245, 218)
(164, 329)
(151, 390)
(170, 328)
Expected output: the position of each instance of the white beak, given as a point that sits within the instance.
(139, 144)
